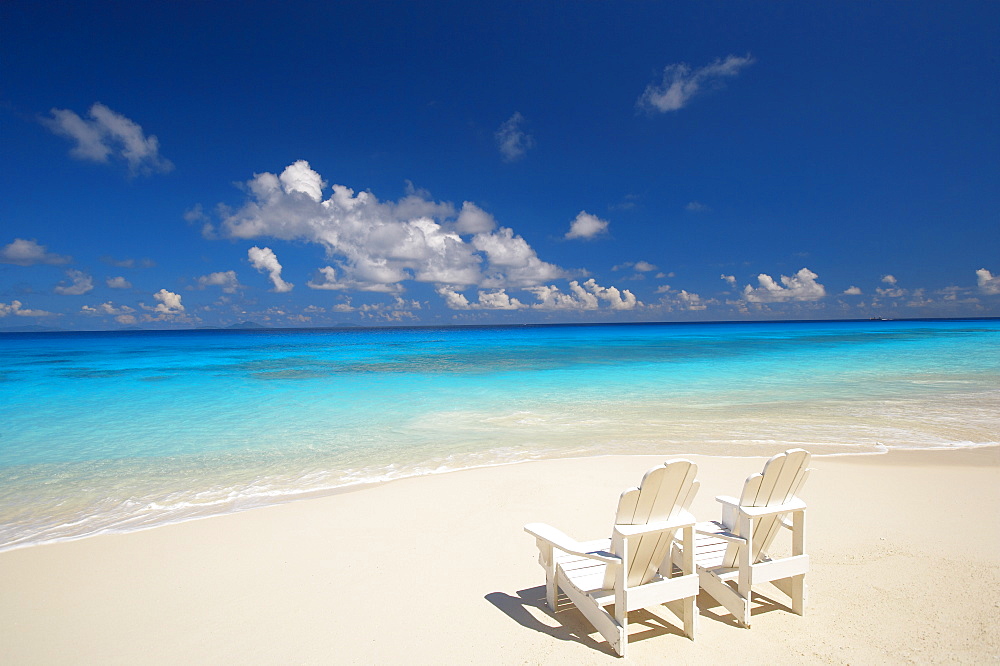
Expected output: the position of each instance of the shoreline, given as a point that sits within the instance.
(294, 496)
(436, 569)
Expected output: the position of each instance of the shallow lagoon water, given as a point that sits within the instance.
(117, 431)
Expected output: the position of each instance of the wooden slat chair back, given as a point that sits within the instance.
(780, 481)
(664, 492)
(625, 570)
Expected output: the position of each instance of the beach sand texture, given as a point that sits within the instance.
(905, 568)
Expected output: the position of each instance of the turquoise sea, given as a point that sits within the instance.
(113, 431)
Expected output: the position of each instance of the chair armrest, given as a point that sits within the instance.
(795, 504)
(683, 519)
(557, 539)
(718, 530)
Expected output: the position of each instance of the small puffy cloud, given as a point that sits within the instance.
(731, 279)
(891, 292)
(617, 299)
(169, 302)
(225, 279)
(512, 140)
(80, 283)
(497, 299)
(583, 297)
(852, 291)
(107, 133)
(691, 301)
(682, 300)
(551, 297)
(17, 308)
(107, 308)
(889, 279)
(696, 207)
(800, 287)
(22, 252)
(681, 83)
(265, 261)
(644, 266)
(641, 266)
(586, 226)
(118, 283)
(988, 283)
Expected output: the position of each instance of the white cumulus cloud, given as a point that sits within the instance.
(169, 302)
(988, 283)
(586, 296)
(80, 283)
(512, 140)
(550, 297)
(107, 308)
(497, 299)
(586, 226)
(17, 308)
(107, 133)
(639, 266)
(691, 301)
(799, 287)
(118, 283)
(852, 291)
(227, 280)
(376, 246)
(681, 83)
(644, 266)
(22, 252)
(265, 261)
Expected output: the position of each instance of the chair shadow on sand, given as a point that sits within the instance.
(569, 624)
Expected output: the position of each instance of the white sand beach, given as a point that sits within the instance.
(905, 567)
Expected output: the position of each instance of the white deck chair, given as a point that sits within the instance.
(731, 555)
(625, 570)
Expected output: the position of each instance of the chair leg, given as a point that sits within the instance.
(745, 591)
(798, 595)
(745, 619)
(622, 647)
(690, 618)
(796, 590)
(551, 588)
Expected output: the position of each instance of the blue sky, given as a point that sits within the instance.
(179, 164)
